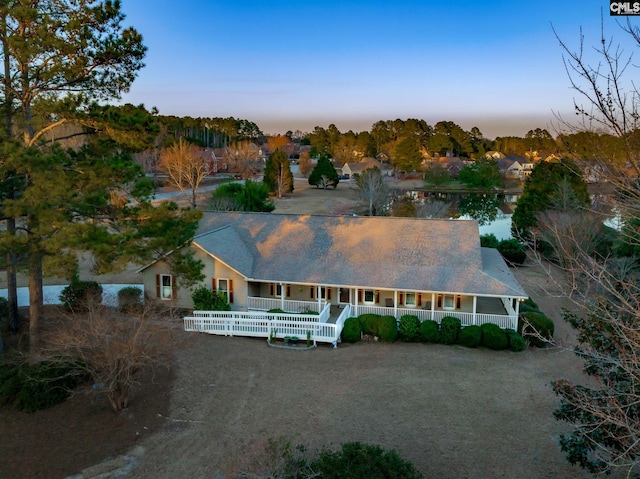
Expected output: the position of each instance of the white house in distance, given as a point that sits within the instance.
(344, 265)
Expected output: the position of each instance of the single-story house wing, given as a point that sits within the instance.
(383, 265)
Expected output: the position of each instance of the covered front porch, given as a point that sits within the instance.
(470, 309)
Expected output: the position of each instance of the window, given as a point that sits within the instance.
(369, 296)
(410, 299)
(164, 283)
(325, 293)
(449, 302)
(225, 286)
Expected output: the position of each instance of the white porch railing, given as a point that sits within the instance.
(278, 325)
(255, 303)
(265, 325)
(467, 319)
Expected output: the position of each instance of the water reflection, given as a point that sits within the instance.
(493, 212)
(483, 208)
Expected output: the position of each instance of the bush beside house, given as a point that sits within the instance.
(206, 300)
(430, 331)
(449, 331)
(409, 328)
(471, 336)
(536, 327)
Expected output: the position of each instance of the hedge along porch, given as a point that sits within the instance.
(298, 263)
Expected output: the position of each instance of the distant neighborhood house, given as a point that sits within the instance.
(356, 168)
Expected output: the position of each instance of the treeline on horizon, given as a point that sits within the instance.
(396, 136)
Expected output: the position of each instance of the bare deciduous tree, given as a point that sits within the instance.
(603, 283)
(186, 167)
(432, 208)
(243, 158)
(373, 190)
(111, 347)
(305, 164)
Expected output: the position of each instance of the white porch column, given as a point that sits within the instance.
(433, 304)
(475, 303)
(355, 302)
(319, 299)
(395, 303)
(282, 293)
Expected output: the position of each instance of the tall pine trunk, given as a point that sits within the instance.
(12, 284)
(35, 290)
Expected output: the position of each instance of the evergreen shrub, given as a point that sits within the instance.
(493, 337)
(513, 251)
(79, 295)
(489, 241)
(130, 299)
(516, 342)
(206, 300)
(351, 332)
(539, 323)
(409, 328)
(449, 330)
(369, 323)
(356, 460)
(470, 336)
(387, 328)
(528, 305)
(430, 331)
(32, 387)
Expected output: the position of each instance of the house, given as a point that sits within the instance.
(514, 166)
(494, 155)
(356, 168)
(346, 266)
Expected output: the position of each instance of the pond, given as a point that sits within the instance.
(492, 211)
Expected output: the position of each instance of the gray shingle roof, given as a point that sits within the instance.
(368, 252)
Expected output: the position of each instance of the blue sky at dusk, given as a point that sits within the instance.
(293, 65)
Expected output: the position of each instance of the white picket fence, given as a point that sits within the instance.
(265, 325)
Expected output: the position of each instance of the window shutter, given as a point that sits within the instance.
(157, 285)
(174, 288)
(272, 289)
(213, 285)
(439, 301)
(458, 301)
(419, 299)
(401, 298)
(377, 297)
(230, 292)
(359, 296)
(328, 294)
(311, 292)
(288, 293)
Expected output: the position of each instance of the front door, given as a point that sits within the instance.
(344, 295)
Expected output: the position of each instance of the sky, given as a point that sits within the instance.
(293, 65)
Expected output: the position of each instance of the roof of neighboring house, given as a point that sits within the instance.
(494, 154)
(505, 163)
(368, 252)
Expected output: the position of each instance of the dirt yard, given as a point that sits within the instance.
(454, 412)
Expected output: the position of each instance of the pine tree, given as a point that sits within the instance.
(324, 175)
(277, 174)
(60, 57)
